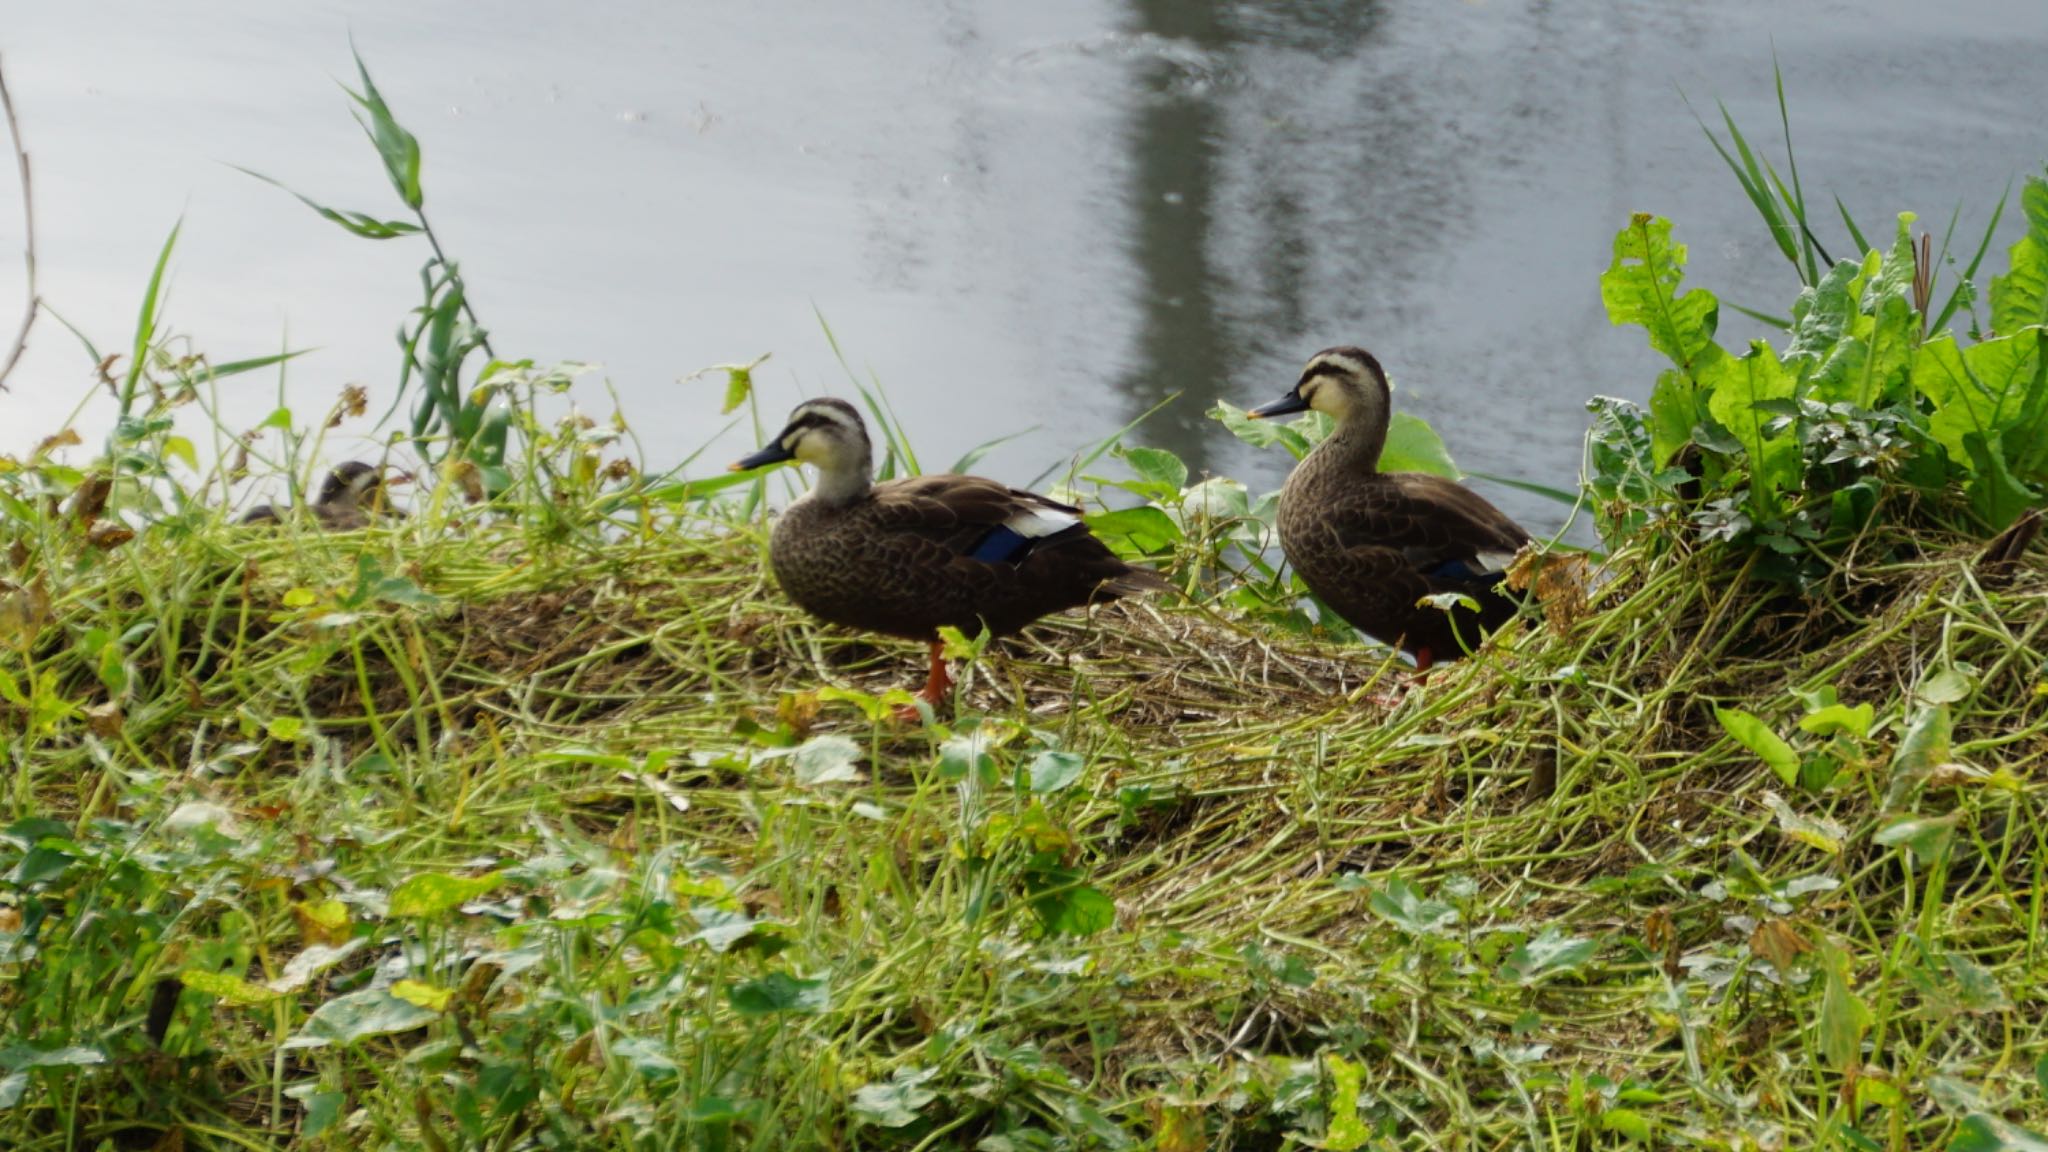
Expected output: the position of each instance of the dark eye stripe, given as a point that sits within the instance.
(1319, 369)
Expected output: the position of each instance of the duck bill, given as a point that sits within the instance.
(1287, 405)
(774, 453)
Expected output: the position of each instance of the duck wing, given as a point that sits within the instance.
(1443, 529)
(971, 518)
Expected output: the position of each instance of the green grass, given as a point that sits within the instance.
(610, 854)
(539, 819)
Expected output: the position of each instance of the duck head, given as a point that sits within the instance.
(1344, 382)
(829, 435)
(354, 484)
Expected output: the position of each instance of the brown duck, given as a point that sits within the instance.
(907, 557)
(351, 496)
(1374, 544)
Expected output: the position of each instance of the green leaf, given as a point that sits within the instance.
(896, 1102)
(359, 1016)
(1156, 466)
(1266, 433)
(401, 152)
(1640, 287)
(13, 1087)
(1924, 747)
(1401, 905)
(1839, 718)
(358, 223)
(1413, 446)
(1055, 771)
(1147, 529)
(1737, 390)
(1843, 1016)
(1078, 910)
(433, 893)
(226, 986)
(1549, 953)
(780, 993)
(1975, 988)
(1926, 837)
(1754, 735)
(1816, 831)
(2020, 297)
(967, 756)
(2041, 1073)
(17, 1057)
(827, 760)
(1981, 1132)
(145, 322)
(1346, 1131)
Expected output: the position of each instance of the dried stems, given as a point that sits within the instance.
(28, 213)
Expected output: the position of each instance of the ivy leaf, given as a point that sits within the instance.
(1548, 954)
(1055, 771)
(827, 760)
(1407, 909)
(779, 993)
(896, 1102)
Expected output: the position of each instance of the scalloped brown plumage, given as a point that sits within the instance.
(1374, 544)
(908, 557)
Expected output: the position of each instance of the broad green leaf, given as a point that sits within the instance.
(1547, 954)
(1924, 747)
(895, 1103)
(1975, 988)
(1843, 1016)
(780, 993)
(967, 756)
(359, 1016)
(827, 760)
(226, 986)
(1081, 910)
(1403, 906)
(721, 928)
(1266, 433)
(433, 893)
(1148, 529)
(1983, 1132)
(1640, 287)
(1926, 837)
(1055, 771)
(13, 1087)
(1737, 389)
(1756, 736)
(2020, 297)
(1413, 446)
(1156, 466)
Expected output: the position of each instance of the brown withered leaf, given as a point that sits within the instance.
(1661, 935)
(24, 609)
(104, 719)
(618, 471)
(91, 498)
(799, 712)
(10, 918)
(1779, 943)
(105, 371)
(1561, 582)
(470, 479)
(107, 535)
(68, 438)
(355, 401)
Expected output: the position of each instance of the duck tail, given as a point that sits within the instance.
(1134, 582)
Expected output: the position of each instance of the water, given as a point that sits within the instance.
(1013, 215)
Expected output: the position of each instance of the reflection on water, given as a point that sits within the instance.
(1050, 214)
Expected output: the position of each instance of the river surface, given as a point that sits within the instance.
(1045, 215)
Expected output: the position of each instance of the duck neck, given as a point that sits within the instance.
(841, 482)
(1359, 437)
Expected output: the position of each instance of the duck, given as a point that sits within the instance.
(351, 496)
(1374, 545)
(909, 556)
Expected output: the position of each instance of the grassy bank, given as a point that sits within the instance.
(538, 819)
(407, 839)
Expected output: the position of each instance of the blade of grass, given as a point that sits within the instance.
(1855, 233)
(1101, 446)
(1955, 296)
(145, 322)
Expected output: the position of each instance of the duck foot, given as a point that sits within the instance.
(938, 687)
